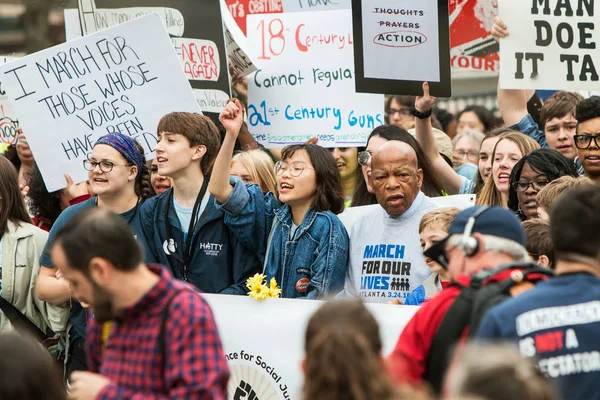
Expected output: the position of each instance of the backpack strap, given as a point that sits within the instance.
(448, 334)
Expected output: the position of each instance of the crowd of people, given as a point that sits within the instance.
(104, 274)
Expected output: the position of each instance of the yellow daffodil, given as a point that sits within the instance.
(274, 290)
(255, 281)
(259, 292)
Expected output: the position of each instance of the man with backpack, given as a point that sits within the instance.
(558, 322)
(483, 245)
(162, 340)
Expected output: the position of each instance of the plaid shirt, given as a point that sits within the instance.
(195, 365)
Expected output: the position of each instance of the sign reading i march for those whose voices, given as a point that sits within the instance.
(551, 43)
(305, 87)
(122, 79)
(401, 44)
(197, 35)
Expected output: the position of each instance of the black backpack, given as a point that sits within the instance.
(487, 289)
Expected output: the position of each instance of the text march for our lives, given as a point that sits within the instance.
(122, 79)
(552, 44)
(305, 85)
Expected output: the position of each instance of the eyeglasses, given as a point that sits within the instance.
(105, 166)
(522, 186)
(584, 141)
(402, 111)
(364, 157)
(296, 168)
(468, 154)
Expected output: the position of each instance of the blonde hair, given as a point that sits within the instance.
(490, 195)
(501, 374)
(550, 193)
(260, 166)
(440, 218)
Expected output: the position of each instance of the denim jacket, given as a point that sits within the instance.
(312, 264)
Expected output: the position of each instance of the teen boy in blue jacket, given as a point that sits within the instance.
(182, 227)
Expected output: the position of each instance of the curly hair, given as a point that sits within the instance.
(543, 161)
(588, 109)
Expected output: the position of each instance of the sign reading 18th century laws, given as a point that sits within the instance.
(305, 85)
(552, 44)
(122, 79)
(399, 45)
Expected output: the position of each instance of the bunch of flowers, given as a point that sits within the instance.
(259, 289)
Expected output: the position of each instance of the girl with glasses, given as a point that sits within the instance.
(532, 173)
(120, 179)
(297, 236)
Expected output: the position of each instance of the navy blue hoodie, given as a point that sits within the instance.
(218, 263)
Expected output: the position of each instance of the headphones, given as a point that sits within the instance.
(469, 243)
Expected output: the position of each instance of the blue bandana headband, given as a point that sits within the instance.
(125, 146)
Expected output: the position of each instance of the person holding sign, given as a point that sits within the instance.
(182, 227)
(120, 180)
(557, 117)
(298, 237)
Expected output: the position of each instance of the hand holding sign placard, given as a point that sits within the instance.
(401, 45)
(552, 44)
(122, 79)
(305, 87)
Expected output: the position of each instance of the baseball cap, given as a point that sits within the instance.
(493, 221)
(444, 143)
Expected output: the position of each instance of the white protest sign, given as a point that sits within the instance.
(109, 17)
(552, 44)
(305, 87)
(199, 58)
(8, 118)
(236, 44)
(267, 356)
(122, 79)
(315, 5)
(460, 201)
(400, 40)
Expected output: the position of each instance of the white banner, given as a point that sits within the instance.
(122, 79)
(199, 58)
(264, 341)
(305, 87)
(551, 45)
(8, 118)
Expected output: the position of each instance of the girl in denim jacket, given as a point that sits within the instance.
(298, 237)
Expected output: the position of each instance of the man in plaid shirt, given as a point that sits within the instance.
(163, 342)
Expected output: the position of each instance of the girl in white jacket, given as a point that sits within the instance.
(21, 244)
